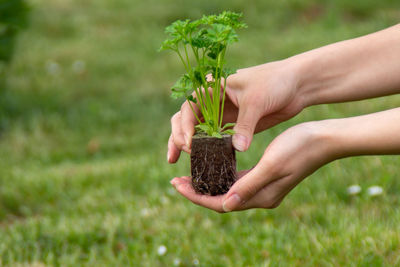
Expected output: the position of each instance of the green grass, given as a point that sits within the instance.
(83, 173)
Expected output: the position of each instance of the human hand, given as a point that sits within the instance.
(257, 98)
(290, 158)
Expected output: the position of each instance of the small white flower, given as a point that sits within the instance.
(79, 66)
(161, 250)
(145, 212)
(196, 262)
(353, 189)
(177, 262)
(375, 190)
(207, 223)
(52, 67)
(164, 200)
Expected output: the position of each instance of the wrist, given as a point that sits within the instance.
(295, 69)
(329, 141)
(305, 77)
(318, 75)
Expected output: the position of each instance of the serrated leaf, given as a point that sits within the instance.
(168, 45)
(228, 71)
(218, 33)
(175, 94)
(182, 87)
(232, 19)
(200, 39)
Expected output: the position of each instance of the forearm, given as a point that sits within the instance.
(373, 134)
(356, 69)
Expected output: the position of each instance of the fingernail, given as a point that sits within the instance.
(240, 142)
(231, 203)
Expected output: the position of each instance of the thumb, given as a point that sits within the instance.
(245, 125)
(244, 189)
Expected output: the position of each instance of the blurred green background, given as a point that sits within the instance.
(84, 121)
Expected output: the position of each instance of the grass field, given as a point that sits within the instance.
(83, 130)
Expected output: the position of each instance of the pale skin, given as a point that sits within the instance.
(263, 96)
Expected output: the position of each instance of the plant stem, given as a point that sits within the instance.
(197, 118)
(183, 61)
(222, 103)
(224, 90)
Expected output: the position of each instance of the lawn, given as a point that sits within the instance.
(84, 123)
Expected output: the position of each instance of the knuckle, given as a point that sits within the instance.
(175, 117)
(183, 106)
(243, 126)
(179, 142)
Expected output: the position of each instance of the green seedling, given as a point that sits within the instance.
(201, 46)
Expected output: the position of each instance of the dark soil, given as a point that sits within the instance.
(213, 164)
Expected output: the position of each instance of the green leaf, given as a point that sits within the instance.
(168, 45)
(228, 71)
(200, 39)
(228, 125)
(208, 20)
(177, 28)
(191, 98)
(229, 131)
(204, 128)
(197, 75)
(182, 87)
(216, 134)
(231, 37)
(215, 49)
(177, 94)
(232, 19)
(218, 33)
(205, 41)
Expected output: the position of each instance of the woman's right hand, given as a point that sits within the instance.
(258, 98)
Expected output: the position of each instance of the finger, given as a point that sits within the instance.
(180, 180)
(173, 152)
(246, 188)
(177, 134)
(272, 194)
(248, 117)
(184, 186)
(277, 117)
(188, 121)
(242, 173)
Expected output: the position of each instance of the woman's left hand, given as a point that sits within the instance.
(291, 157)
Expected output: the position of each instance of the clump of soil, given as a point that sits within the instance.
(213, 164)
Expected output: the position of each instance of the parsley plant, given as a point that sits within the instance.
(201, 46)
